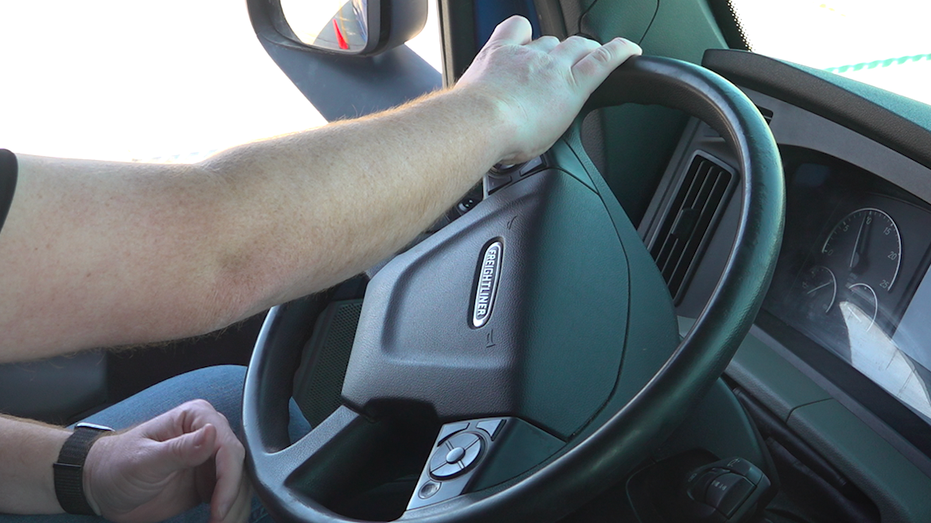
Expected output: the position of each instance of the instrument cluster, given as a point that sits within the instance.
(855, 250)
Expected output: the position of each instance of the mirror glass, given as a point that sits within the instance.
(334, 25)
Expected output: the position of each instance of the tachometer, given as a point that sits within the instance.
(867, 246)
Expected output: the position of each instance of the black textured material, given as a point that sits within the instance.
(7, 182)
(729, 24)
(639, 410)
(319, 379)
(69, 470)
(897, 122)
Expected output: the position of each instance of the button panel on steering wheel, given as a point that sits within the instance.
(457, 455)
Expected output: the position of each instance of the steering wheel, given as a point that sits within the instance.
(526, 356)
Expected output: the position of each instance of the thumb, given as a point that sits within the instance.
(514, 30)
(186, 451)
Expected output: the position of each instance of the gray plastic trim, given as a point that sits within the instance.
(798, 127)
(897, 486)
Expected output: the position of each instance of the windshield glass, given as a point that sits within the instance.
(882, 43)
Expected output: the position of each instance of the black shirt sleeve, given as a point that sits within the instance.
(7, 182)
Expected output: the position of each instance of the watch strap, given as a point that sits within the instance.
(69, 469)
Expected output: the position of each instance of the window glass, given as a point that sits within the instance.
(144, 80)
(883, 43)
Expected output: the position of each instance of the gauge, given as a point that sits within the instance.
(819, 289)
(867, 246)
(861, 307)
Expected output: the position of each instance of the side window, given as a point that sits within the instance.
(427, 43)
(885, 43)
(166, 81)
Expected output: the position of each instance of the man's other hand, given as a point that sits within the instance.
(167, 465)
(541, 84)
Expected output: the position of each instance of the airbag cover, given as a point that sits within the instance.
(551, 347)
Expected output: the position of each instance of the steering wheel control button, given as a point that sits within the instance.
(458, 454)
(502, 168)
(531, 167)
(735, 497)
(429, 489)
(746, 469)
(493, 182)
(490, 427)
(451, 428)
(467, 204)
(447, 471)
(728, 488)
(727, 492)
(455, 455)
(471, 454)
(698, 485)
(502, 174)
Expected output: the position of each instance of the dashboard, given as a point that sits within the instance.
(854, 255)
(841, 350)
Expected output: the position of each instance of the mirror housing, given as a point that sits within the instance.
(349, 27)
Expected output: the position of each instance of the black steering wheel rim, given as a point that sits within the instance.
(612, 450)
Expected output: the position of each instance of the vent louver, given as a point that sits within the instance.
(767, 114)
(693, 211)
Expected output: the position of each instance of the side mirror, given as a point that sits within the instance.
(349, 27)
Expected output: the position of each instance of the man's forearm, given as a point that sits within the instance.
(98, 254)
(142, 253)
(318, 207)
(27, 451)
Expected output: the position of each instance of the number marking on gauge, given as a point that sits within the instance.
(869, 243)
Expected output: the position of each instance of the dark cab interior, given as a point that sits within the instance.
(799, 394)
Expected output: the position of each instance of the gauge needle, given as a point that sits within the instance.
(823, 285)
(860, 246)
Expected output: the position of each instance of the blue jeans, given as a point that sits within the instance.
(220, 385)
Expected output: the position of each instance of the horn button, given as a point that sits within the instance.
(519, 308)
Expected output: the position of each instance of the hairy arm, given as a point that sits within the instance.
(97, 254)
(27, 451)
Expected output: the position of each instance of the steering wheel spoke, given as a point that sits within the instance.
(316, 466)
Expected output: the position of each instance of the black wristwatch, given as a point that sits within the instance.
(69, 469)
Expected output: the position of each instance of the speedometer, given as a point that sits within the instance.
(866, 243)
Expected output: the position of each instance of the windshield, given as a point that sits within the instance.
(883, 43)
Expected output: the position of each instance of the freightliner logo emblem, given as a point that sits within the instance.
(489, 272)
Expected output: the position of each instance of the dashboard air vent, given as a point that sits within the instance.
(693, 211)
(767, 114)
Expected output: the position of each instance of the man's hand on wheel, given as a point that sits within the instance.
(541, 84)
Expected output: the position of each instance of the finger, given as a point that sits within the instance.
(184, 452)
(573, 49)
(592, 69)
(514, 30)
(544, 44)
(241, 509)
(229, 476)
(184, 418)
